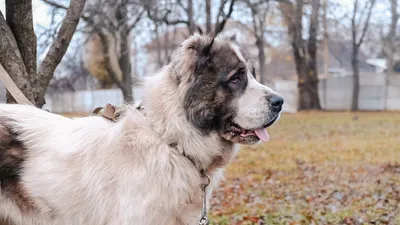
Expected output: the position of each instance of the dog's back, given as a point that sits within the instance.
(44, 161)
(60, 171)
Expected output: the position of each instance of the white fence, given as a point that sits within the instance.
(85, 101)
(335, 94)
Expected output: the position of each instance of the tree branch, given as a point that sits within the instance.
(133, 25)
(55, 5)
(165, 20)
(61, 43)
(353, 23)
(313, 30)
(11, 59)
(208, 16)
(181, 5)
(19, 18)
(225, 17)
(59, 6)
(365, 29)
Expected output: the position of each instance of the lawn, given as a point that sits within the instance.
(318, 168)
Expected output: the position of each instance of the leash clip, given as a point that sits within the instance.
(204, 219)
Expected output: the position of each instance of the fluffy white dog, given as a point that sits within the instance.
(146, 168)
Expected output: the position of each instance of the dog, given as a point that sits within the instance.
(147, 167)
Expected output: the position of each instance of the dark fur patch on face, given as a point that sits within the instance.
(12, 157)
(208, 101)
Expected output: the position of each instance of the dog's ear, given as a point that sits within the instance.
(204, 60)
(207, 48)
(199, 49)
(201, 44)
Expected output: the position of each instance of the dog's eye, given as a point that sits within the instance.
(234, 80)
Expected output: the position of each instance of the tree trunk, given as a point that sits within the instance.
(11, 60)
(311, 79)
(391, 46)
(18, 48)
(20, 20)
(356, 78)
(167, 46)
(307, 84)
(304, 55)
(356, 47)
(208, 16)
(326, 43)
(124, 59)
(125, 65)
(258, 26)
(192, 25)
(261, 59)
(157, 33)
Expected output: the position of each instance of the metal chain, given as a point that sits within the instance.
(204, 219)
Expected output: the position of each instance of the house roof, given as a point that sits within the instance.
(340, 54)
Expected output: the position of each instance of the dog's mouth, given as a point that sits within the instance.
(235, 133)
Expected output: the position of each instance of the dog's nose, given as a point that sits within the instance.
(276, 102)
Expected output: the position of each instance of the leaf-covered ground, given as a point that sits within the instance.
(319, 168)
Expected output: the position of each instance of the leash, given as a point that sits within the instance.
(17, 94)
(112, 113)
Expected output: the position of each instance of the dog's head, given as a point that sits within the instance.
(221, 92)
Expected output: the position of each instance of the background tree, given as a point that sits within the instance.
(18, 47)
(162, 11)
(389, 44)
(304, 51)
(359, 29)
(259, 10)
(110, 23)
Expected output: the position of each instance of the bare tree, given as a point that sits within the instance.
(166, 12)
(390, 45)
(359, 28)
(259, 10)
(18, 47)
(113, 21)
(304, 51)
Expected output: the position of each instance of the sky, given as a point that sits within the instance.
(40, 12)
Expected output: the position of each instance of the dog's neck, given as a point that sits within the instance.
(163, 106)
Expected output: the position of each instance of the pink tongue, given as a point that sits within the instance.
(262, 134)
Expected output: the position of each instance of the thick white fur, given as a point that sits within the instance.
(90, 171)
